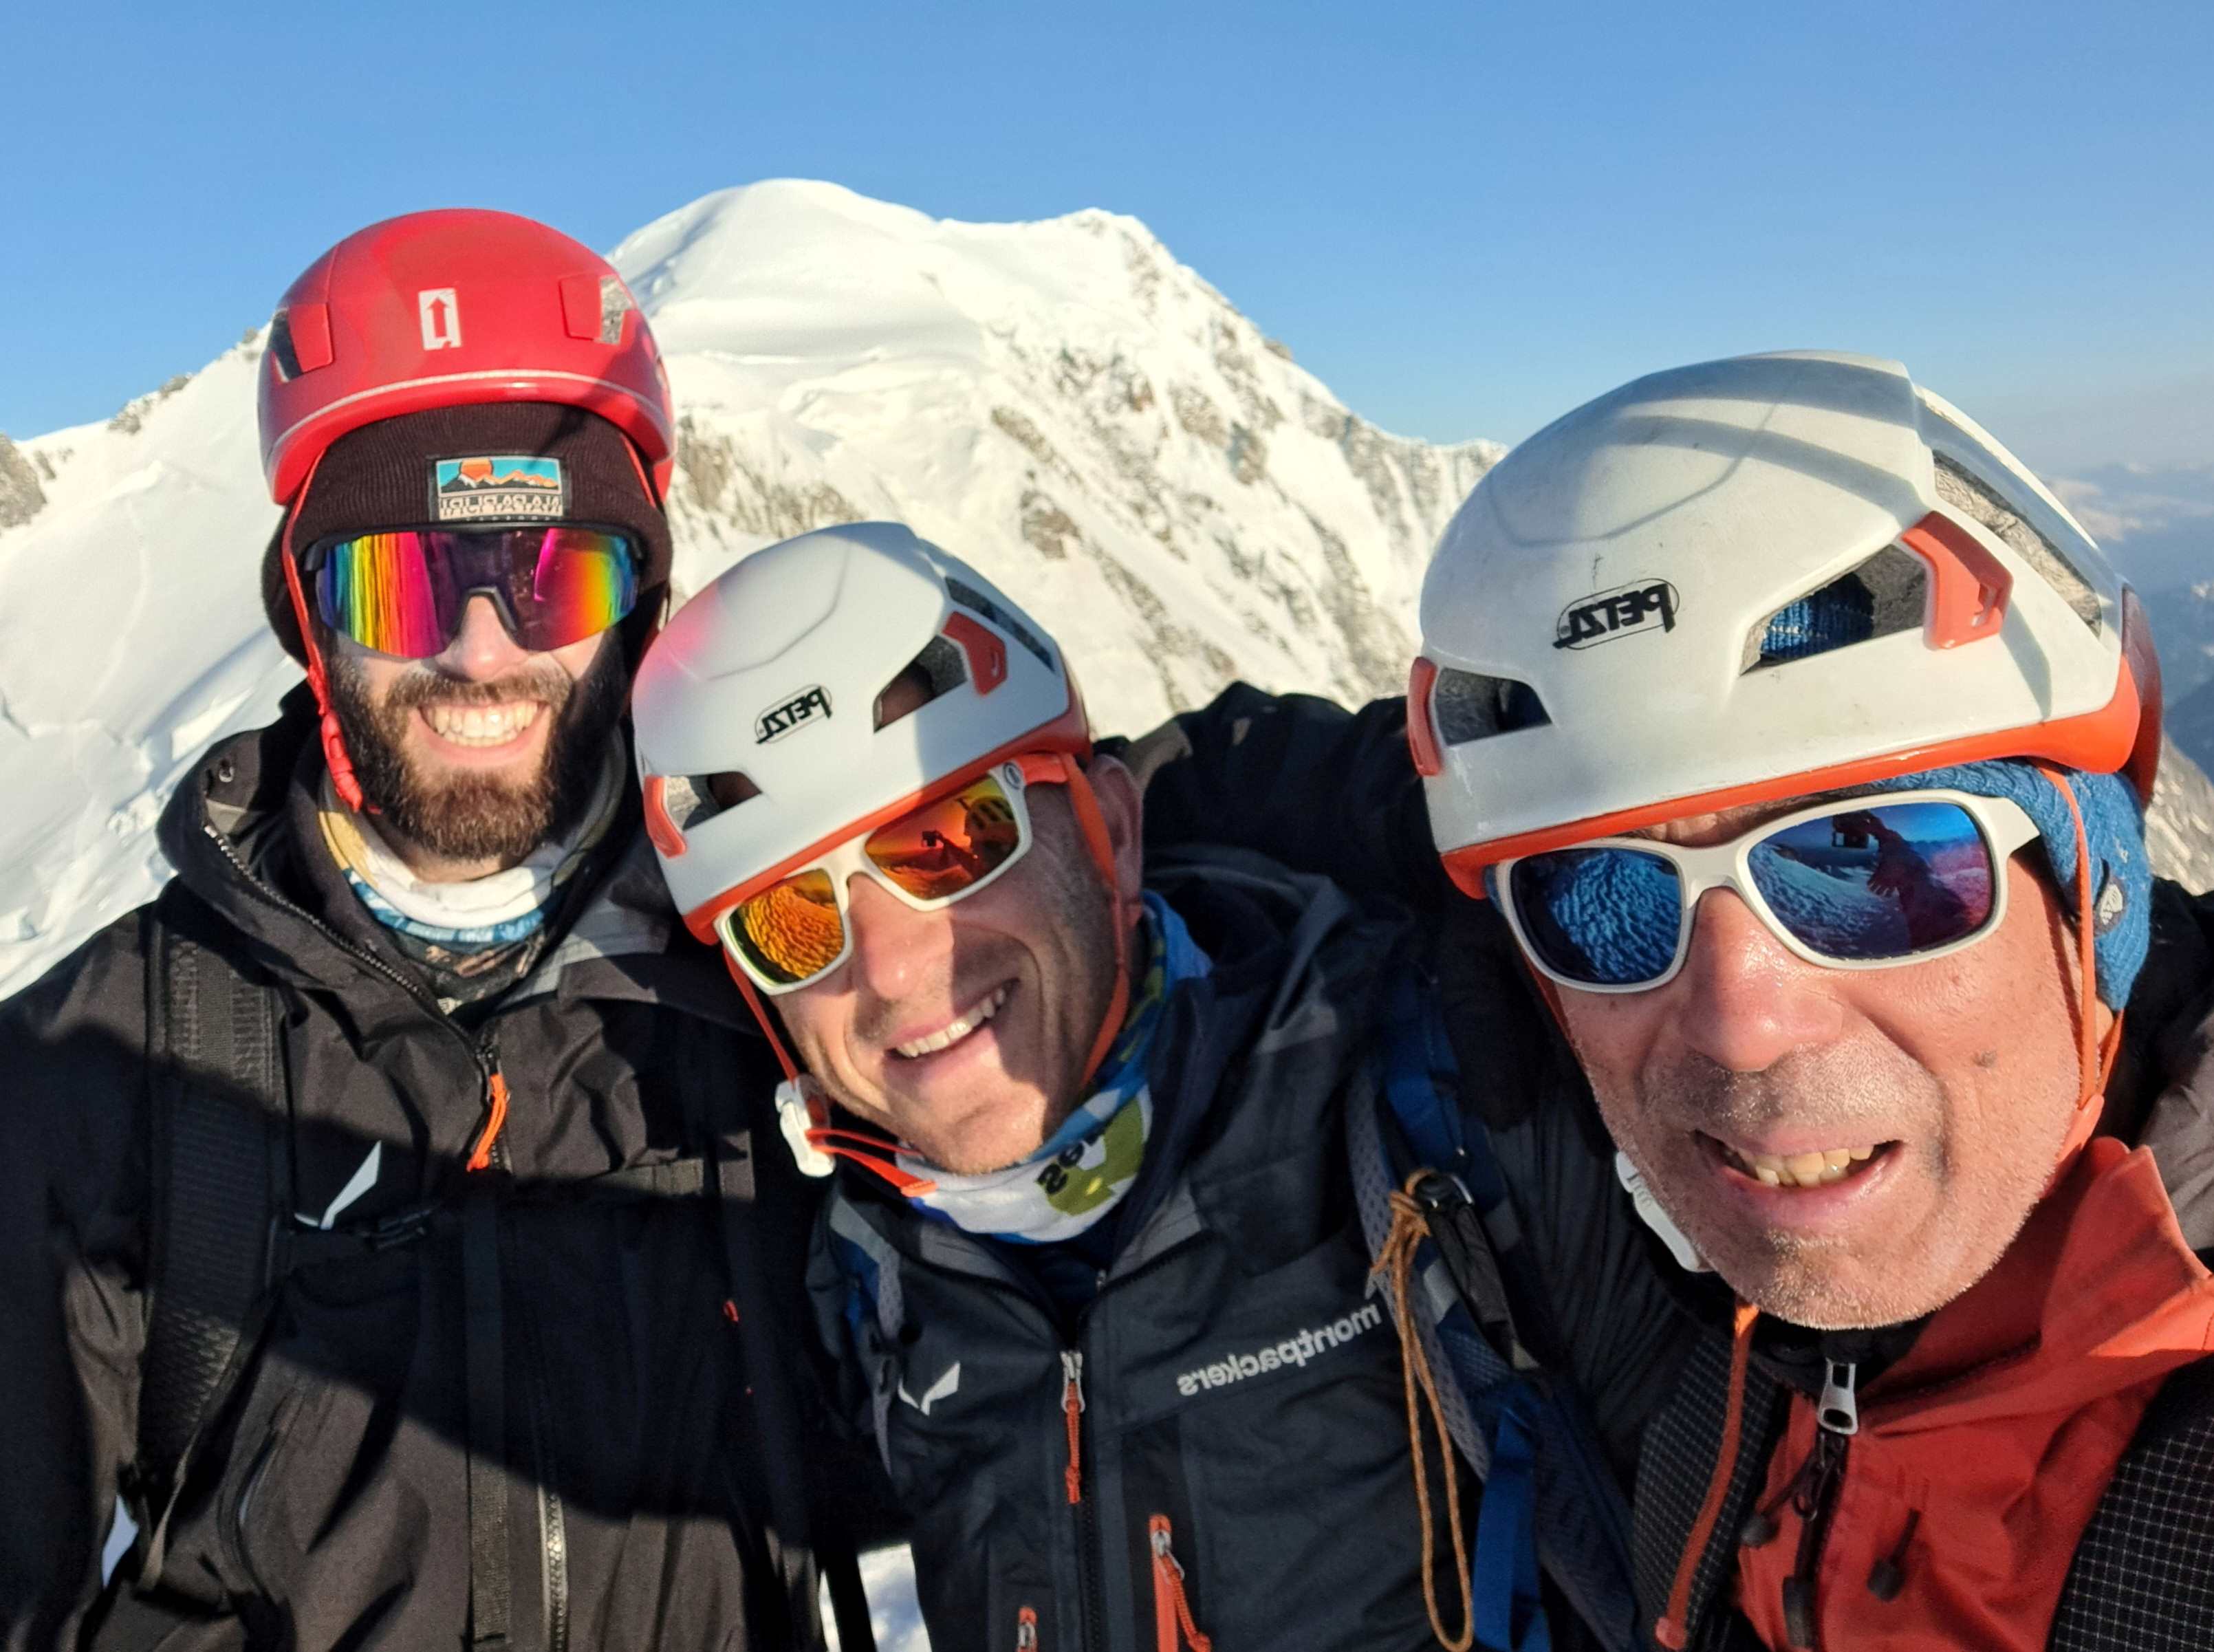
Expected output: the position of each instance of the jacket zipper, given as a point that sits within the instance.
(1089, 1585)
(1090, 1588)
(1026, 1637)
(492, 1146)
(1836, 1416)
(1071, 1407)
(1173, 1628)
(491, 1151)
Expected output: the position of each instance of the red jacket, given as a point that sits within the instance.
(1982, 1454)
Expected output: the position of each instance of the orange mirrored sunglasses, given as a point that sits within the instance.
(795, 930)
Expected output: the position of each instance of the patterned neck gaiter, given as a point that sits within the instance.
(1084, 1169)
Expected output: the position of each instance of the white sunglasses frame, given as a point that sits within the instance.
(848, 857)
(2001, 822)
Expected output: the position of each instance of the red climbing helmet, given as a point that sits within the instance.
(448, 308)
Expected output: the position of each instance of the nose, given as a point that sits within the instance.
(896, 950)
(481, 649)
(1744, 1000)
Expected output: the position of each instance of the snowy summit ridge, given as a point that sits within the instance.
(1061, 403)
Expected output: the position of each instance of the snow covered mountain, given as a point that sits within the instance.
(1063, 403)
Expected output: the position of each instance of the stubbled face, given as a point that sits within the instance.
(965, 1031)
(476, 757)
(1935, 1096)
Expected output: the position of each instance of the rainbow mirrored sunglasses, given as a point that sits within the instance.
(404, 592)
(1865, 882)
(791, 927)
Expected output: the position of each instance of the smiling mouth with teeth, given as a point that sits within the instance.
(954, 1032)
(482, 725)
(1799, 1169)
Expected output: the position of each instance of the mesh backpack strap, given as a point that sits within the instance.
(1490, 1321)
(217, 1100)
(2144, 1573)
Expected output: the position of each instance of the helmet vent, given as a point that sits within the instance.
(938, 669)
(1885, 595)
(1468, 706)
(967, 596)
(691, 799)
(280, 347)
(1982, 504)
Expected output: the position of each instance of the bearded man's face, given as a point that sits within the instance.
(474, 757)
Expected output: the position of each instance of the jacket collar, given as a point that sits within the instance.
(241, 832)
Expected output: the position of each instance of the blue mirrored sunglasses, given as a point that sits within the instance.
(1867, 882)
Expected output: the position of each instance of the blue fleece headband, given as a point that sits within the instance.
(2113, 826)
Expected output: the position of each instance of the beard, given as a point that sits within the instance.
(469, 814)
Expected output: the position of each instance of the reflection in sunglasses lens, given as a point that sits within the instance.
(1882, 881)
(1604, 917)
(947, 846)
(791, 930)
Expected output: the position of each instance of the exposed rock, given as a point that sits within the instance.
(722, 484)
(1048, 528)
(132, 419)
(2180, 827)
(1024, 429)
(20, 496)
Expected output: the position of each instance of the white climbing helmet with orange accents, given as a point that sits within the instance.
(1616, 629)
(853, 700)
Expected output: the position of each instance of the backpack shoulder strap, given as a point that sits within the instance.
(1548, 1490)
(803, 1554)
(217, 1100)
(2141, 1571)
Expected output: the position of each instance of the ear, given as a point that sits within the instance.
(1121, 806)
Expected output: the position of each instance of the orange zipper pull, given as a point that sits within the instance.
(496, 1100)
(1171, 1611)
(1026, 1631)
(1072, 1407)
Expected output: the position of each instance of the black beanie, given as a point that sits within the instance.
(387, 475)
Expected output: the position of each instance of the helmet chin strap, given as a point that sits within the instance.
(2094, 1056)
(335, 755)
(1093, 825)
(804, 1108)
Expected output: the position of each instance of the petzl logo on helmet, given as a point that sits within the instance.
(1641, 605)
(496, 487)
(441, 317)
(792, 714)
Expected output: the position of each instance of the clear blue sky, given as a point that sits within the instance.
(1464, 217)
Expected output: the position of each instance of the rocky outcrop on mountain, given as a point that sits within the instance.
(20, 496)
(2180, 827)
(1064, 405)
(2191, 723)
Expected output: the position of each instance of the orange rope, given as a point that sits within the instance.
(1397, 1260)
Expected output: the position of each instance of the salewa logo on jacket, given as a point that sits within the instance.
(1308, 1344)
(945, 1388)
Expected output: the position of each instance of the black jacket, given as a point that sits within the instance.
(1239, 1380)
(1333, 792)
(330, 1503)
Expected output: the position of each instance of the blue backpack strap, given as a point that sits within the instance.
(1546, 1457)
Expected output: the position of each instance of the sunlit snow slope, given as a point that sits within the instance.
(1063, 403)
